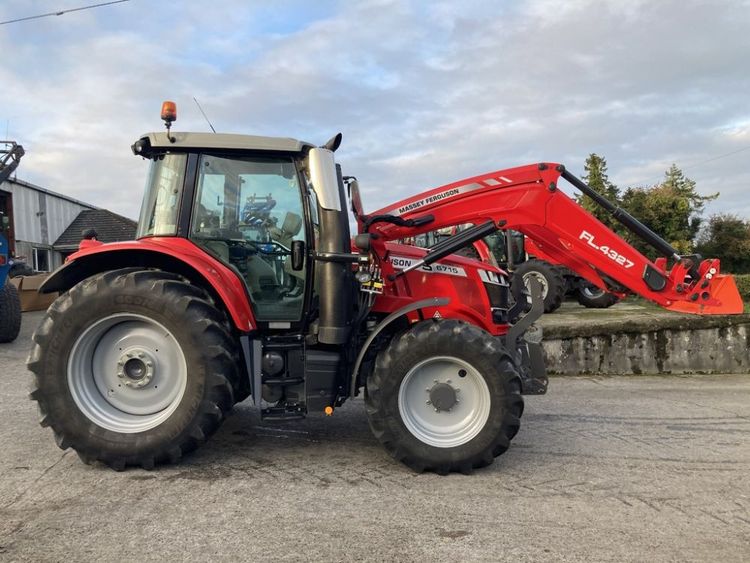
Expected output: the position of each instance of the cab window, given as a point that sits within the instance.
(247, 213)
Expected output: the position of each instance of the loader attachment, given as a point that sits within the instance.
(724, 299)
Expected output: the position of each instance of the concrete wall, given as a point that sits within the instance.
(720, 347)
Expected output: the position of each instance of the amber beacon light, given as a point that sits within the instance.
(169, 111)
(169, 114)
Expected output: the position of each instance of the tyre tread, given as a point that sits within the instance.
(10, 312)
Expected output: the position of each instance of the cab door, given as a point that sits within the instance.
(248, 211)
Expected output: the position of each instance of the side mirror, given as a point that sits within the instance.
(356, 199)
(298, 255)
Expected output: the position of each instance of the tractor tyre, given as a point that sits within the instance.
(594, 297)
(10, 313)
(444, 396)
(549, 277)
(133, 367)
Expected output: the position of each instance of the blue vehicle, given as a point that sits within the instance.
(10, 302)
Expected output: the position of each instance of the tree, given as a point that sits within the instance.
(684, 188)
(726, 237)
(596, 177)
(671, 209)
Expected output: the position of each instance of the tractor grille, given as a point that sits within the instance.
(498, 295)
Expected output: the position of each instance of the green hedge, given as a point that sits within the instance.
(743, 284)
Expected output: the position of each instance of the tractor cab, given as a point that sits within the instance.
(255, 204)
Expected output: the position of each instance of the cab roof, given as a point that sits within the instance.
(221, 141)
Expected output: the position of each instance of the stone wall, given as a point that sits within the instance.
(649, 345)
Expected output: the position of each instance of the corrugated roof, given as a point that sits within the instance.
(109, 227)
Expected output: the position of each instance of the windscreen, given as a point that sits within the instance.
(161, 200)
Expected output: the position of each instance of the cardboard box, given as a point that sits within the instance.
(28, 290)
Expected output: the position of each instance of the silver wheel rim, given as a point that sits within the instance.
(591, 291)
(127, 373)
(540, 278)
(444, 428)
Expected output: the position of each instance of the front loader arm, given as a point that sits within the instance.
(528, 200)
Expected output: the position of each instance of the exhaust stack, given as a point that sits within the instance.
(333, 279)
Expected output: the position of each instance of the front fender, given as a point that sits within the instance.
(171, 254)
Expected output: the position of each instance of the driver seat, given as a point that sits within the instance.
(291, 226)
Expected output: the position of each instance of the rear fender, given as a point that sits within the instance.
(176, 255)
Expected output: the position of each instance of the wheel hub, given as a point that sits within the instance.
(136, 369)
(443, 396)
(540, 278)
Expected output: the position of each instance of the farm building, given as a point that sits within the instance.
(43, 227)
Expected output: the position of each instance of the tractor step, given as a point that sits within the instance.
(283, 380)
(282, 413)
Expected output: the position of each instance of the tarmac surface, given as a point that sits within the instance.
(603, 469)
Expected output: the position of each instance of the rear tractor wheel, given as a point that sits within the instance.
(133, 367)
(444, 397)
(594, 297)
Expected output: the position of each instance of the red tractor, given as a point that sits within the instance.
(244, 281)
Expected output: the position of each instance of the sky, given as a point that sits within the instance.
(425, 93)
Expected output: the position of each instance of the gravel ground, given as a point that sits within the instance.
(603, 469)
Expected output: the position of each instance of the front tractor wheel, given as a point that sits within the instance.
(133, 367)
(550, 279)
(444, 397)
